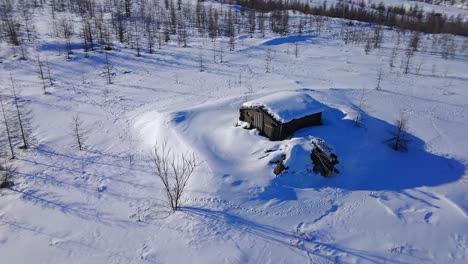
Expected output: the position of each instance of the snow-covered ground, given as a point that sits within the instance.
(95, 206)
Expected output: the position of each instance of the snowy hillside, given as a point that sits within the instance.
(104, 204)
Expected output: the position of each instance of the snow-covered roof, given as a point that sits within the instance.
(286, 106)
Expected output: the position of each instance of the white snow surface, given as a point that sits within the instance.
(104, 204)
(286, 106)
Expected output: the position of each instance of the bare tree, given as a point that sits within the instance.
(108, 68)
(296, 49)
(410, 51)
(358, 120)
(395, 50)
(215, 51)
(261, 23)
(182, 34)
(23, 51)
(268, 60)
(221, 52)
(136, 33)
(27, 17)
(11, 27)
(149, 25)
(23, 118)
(377, 37)
(229, 30)
(368, 46)
(378, 87)
(174, 171)
(7, 173)
(414, 42)
(7, 128)
(252, 22)
(201, 65)
(40, 70)
(67, 30)
(49, 75)
(79, 133)
(399, 140)
(406, 64)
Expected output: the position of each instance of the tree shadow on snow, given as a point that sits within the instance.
(79, 209)
(367, 162)
(290, 39)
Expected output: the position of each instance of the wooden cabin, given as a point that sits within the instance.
(278, 116)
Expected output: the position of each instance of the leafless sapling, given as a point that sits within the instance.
(406, 64)
(296, 49)
(394, 52)
(252, 22)
(378, 86)
(377, 36)
(221, 52)
(78, 132)
(268, 60)
(174, 171)
(201, 66)
(368, 46)
(27, 17)
(358, 119)
(23, 117)
(108, 68)
(49, 75)
(23, 51)
(67, 30)
(400, 138)
(41, 71)
(182, 34)
(7, 128)
(10, 26)
(261, 23)
(136, 33)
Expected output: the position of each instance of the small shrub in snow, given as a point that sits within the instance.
(174, 171)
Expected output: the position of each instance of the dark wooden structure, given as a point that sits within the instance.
(260, 117)
(323, 158)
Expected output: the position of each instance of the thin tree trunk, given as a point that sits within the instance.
(7, 129)
(18, 114)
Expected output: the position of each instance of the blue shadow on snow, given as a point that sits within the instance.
(288, 39)
(367, 162)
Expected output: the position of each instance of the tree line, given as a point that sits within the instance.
(413, 18)
(150, 24)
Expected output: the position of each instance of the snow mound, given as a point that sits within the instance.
(286, 106)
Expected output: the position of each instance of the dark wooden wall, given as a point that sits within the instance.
(273, 129)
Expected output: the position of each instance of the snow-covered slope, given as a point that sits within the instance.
(104, 204)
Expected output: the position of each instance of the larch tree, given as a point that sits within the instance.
(23, 117)
(400, 137)
(8, 128)
(78, 132)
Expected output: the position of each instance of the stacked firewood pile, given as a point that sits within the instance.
(324, 161)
